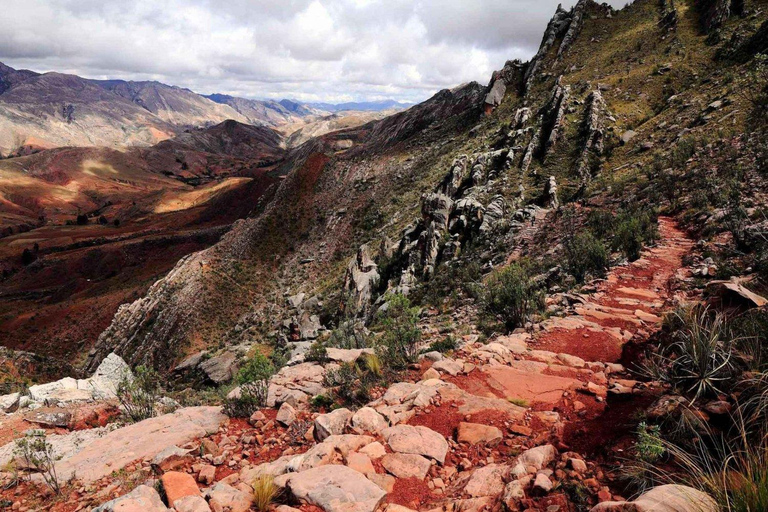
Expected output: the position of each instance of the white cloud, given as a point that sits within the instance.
(334, 50)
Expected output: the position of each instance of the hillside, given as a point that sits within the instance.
(98, 225)
(543, 293)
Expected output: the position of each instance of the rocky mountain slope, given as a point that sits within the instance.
(489, 301)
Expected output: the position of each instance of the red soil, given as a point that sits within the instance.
(584, 343)
(409, 492)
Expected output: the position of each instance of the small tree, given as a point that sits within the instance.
(586, 255)
(511, 296)
(37, 453)
(398, 346)
(138, 395)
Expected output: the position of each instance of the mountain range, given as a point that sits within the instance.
(52, 109)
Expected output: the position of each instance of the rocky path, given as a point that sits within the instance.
(518, 423)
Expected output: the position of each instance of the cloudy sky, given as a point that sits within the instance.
(311, 50)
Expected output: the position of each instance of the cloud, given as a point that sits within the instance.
(330, 50)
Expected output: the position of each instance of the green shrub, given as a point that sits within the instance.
(255, 369)
(317, 352)
(253, 378)
(398, 345)
(350, 334)
(321, 402)
(139, 395)
(249, 398)
(447, 344)
(348, 383)
(586, 255)
(511, 296)
(634, 229)
(649, 445)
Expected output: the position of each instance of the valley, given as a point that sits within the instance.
(543, 293)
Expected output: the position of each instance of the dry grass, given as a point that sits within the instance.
(264, 492)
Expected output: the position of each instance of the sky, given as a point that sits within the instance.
(308, 50)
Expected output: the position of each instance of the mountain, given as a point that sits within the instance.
(39, 111)
(174, 105)
(362, 105)
(545, 292)
(271, 113)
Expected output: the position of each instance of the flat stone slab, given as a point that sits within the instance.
(529, 386)
(139, 441)
(335, 489)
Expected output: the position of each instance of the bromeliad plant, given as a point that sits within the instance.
(699, 360)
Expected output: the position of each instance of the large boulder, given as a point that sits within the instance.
(665, 498)
(221, 368)
(406, 465)
(367, 420)
(418, 440)
(332, 423)
(335, 489)
(141, 499)
(139, 441)
(487, 481)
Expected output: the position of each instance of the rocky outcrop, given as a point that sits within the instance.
(102, 385)
(556, 28)
(713, 13)
(574, 28)
(143, 440)
(360, 283)
(552, 118)
(509, 78)
(142, 498)
(594, 133)
(668, 17)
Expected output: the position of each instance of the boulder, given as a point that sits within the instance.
(542, 484)
(171, 458)
(228, 498)
(50, 417)
(332, 423)
(367, 420)
(496, 94)
(665, 498)
(191, 504)
(418, 440)
(335, 489)
(142, 440)
(177, 485)
(141, 499)
(9, 403)
(448, 366)
(406, 465)
(477, 433)
(487, 481)
(538, 457)
(360, 463)
(286, 415)
(221, 368)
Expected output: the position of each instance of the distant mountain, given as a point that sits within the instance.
(39, 111)
(265, 112)
(371, 106)
(174, 105)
